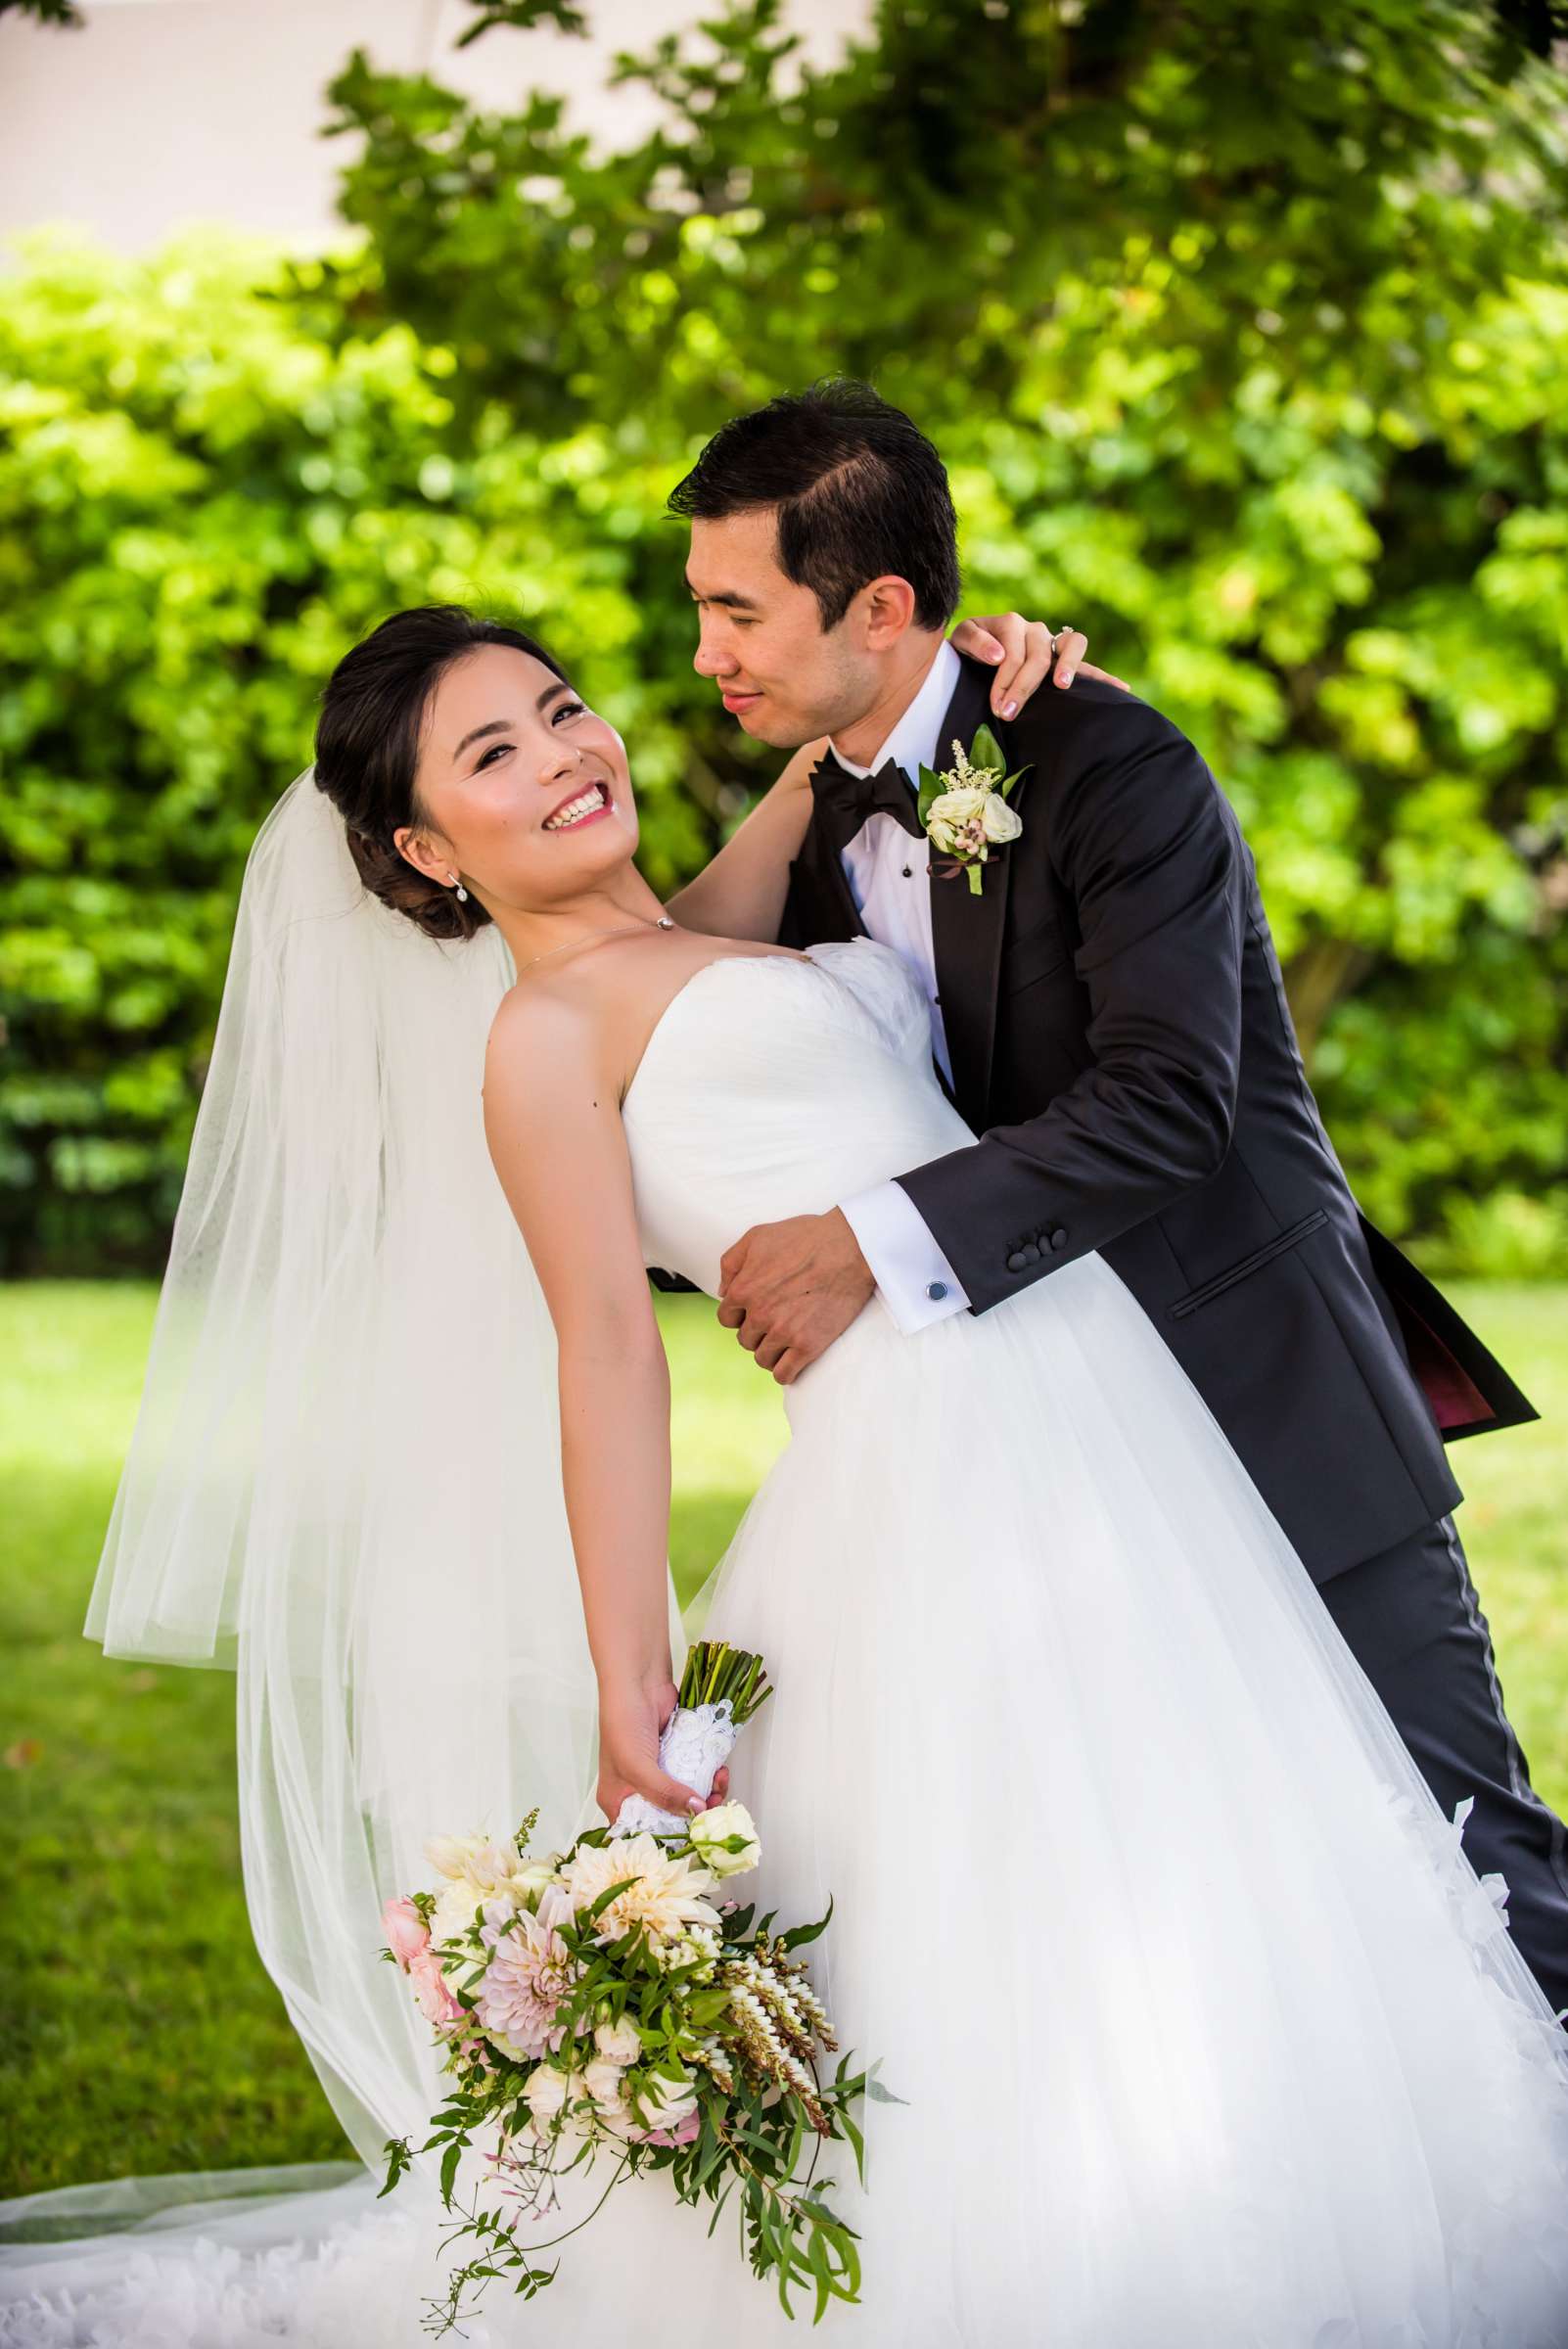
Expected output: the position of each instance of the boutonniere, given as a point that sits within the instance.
(964, 809)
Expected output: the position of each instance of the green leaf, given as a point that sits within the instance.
(986, 751)
(856, 2140)
(821, 2273)
(798, 1936)
(932, 788)
(591, 1916)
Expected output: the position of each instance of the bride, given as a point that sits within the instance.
(1208, 2036)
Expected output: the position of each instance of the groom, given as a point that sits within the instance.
(1109, 1016)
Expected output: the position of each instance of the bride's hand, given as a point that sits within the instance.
(1022, 650)
(630, 1720)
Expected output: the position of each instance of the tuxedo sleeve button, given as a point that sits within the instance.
(1017, 1261)
(1059, 1237)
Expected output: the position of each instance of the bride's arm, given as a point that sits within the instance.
(552, 1120)
(741, 893)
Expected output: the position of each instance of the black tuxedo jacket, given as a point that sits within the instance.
(1122, 1045)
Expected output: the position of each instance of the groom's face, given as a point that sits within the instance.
(780, 673)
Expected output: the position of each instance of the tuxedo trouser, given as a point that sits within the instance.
(1413, 1622)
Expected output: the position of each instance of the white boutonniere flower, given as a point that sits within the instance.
(964, 809)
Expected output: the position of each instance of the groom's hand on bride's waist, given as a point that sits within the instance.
(788, 1290)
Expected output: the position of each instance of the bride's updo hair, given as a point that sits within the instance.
(367, 750)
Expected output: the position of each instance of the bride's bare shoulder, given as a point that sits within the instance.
(547, 1037)
(555, 1032)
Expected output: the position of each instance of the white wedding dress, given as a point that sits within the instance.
(1208, 2035)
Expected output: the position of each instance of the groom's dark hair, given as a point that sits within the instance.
(860, 490)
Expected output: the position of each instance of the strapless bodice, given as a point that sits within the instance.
(773, 1087)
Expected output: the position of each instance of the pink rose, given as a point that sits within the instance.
(407, 1934)
(689, 2128)
(436, 2002)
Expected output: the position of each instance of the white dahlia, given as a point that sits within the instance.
(666, 1894)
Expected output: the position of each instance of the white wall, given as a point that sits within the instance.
(160, 112)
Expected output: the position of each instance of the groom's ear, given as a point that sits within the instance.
(885, 609)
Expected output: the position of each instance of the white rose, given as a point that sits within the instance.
(621, 2042)
(535, 1878)
(602, 2079)
(616, 2119)
(950, 811)
(710, 1830)
(546, 2091)
(664, 2103)
(1000, 820)
(455, 1909)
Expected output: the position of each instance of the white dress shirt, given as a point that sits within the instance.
(889, 872)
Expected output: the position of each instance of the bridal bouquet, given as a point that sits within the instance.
(605, 2005)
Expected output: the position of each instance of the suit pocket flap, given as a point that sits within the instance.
(1239, 1271)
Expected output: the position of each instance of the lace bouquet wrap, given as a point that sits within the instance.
(720, 1689)
(610, 2003)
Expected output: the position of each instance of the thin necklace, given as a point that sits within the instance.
(663, 923)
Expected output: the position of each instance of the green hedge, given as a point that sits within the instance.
(200, 507)
(1269, 399)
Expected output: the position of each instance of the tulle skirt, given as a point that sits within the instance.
(1206, 2032)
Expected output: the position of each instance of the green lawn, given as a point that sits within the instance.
(140, 2033)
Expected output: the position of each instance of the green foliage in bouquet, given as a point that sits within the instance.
(599, 2008)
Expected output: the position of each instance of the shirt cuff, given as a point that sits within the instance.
(914, 1279)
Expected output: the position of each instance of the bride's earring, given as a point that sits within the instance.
(461, 891)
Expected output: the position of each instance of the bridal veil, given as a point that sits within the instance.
(344, 1476)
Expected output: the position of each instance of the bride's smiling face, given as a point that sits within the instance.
(526, 789)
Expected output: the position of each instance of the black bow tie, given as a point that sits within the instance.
(845, 800)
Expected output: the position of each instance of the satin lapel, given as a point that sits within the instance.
(966, 931)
